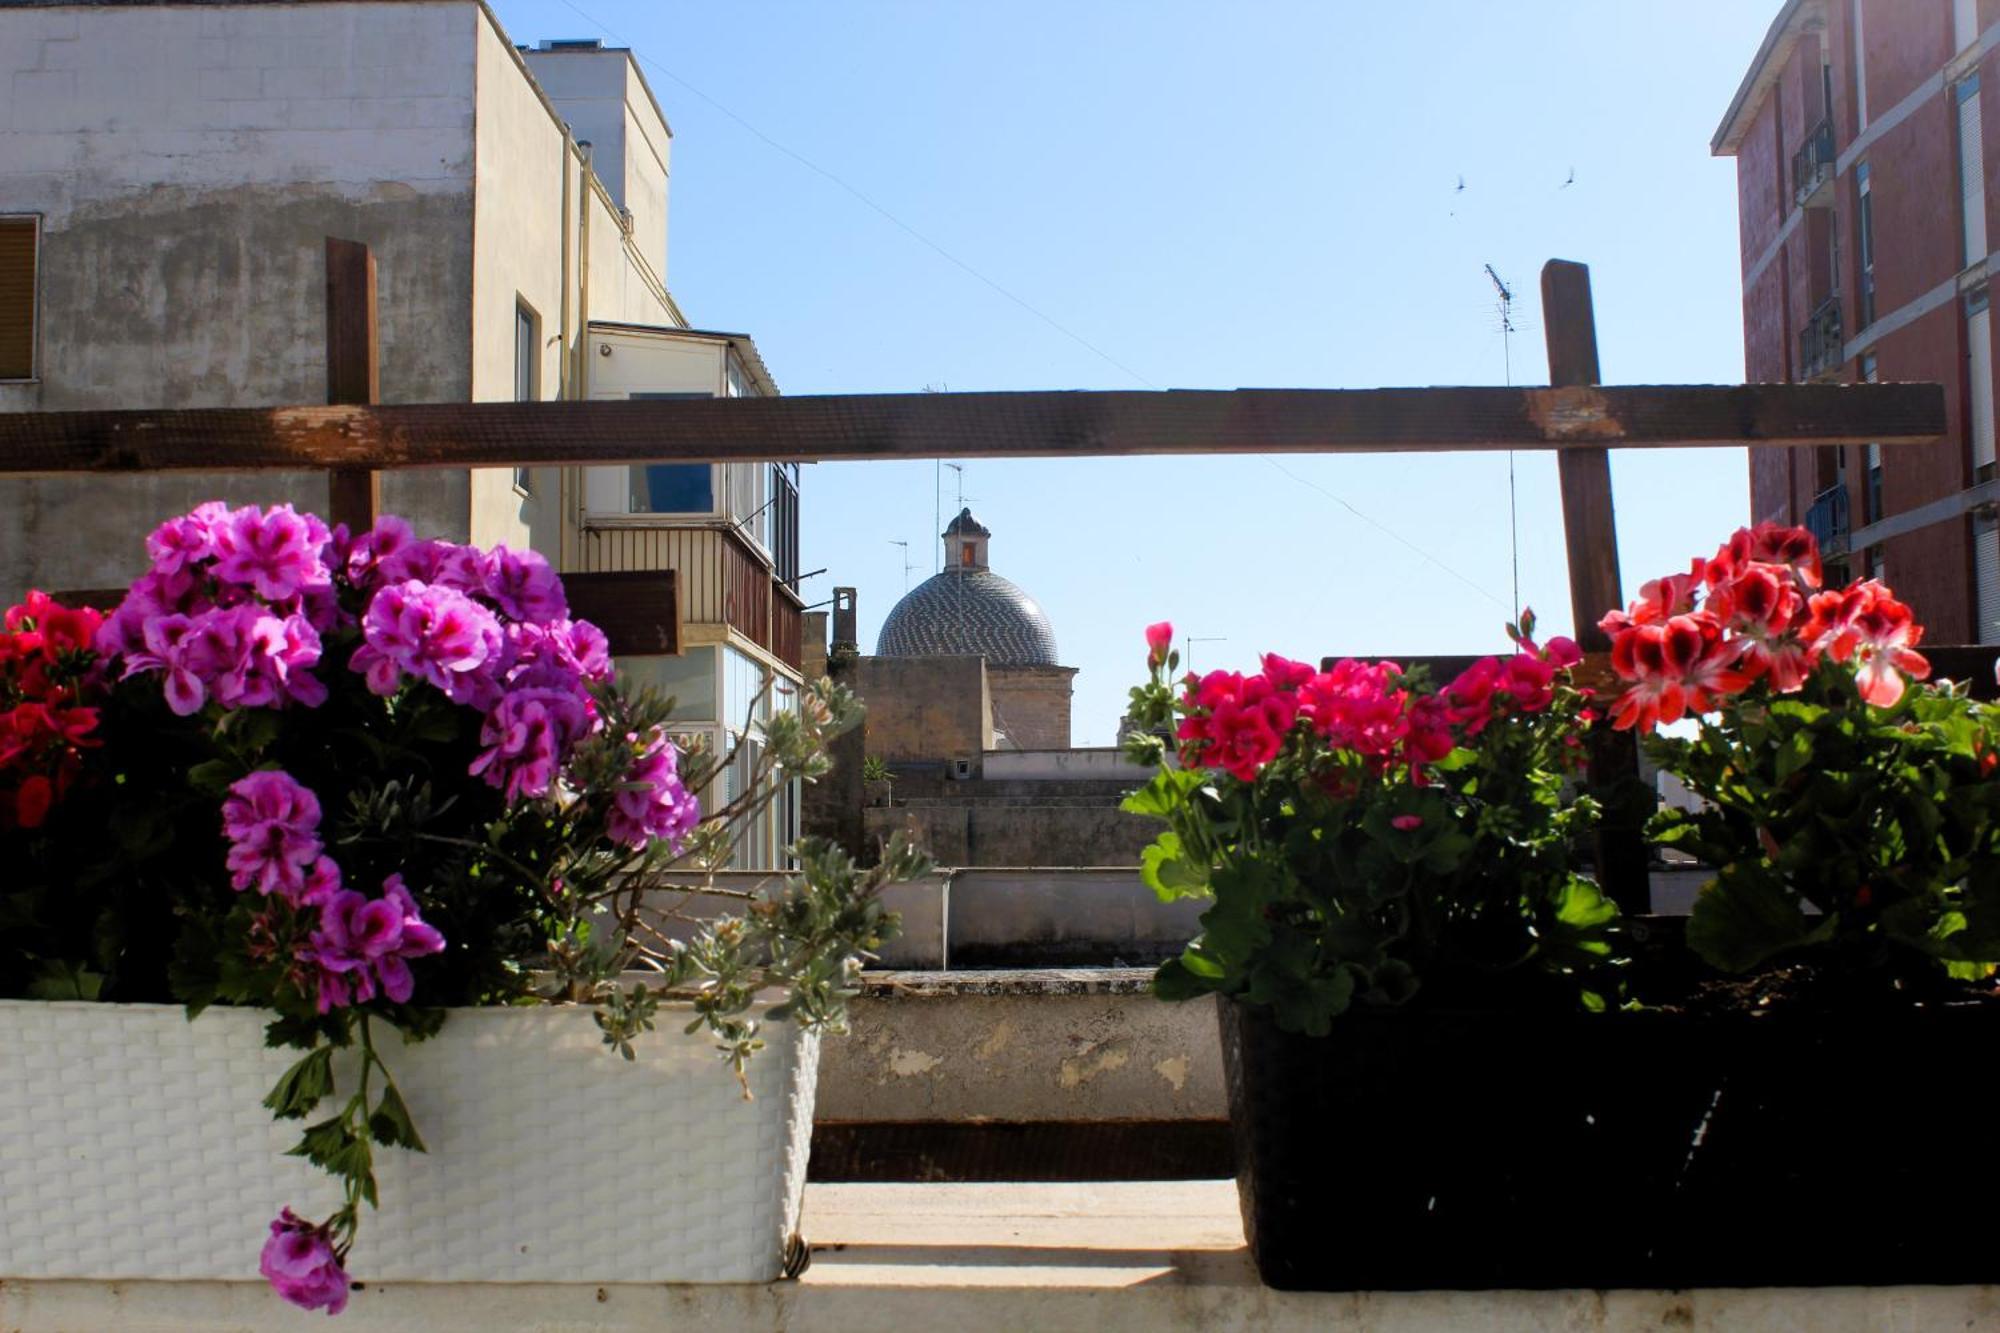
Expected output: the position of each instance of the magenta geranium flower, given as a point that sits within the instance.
(527, 737)
(434, 633)
(272, 824)
(363, 945)
(301, 1265)
(522, 585)
(277, 554)
(652, 802)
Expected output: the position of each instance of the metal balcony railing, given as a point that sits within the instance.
(1820, 348)
(1812, 168)
(1827, 520)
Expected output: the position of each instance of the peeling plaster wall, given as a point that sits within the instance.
(187, 164)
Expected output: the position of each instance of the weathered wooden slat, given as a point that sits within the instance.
(962, 425)
(638, 610)
(1590, 534)
(353, 372)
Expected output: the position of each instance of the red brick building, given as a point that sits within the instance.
(1863, 149)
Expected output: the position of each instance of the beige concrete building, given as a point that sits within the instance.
(168, 176)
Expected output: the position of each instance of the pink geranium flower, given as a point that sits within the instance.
(651, 801)
(272, 825)
(275, 554)
(300, 1263)
(363, 945)
(435, 634)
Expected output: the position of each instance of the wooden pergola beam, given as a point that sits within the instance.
(966, 425)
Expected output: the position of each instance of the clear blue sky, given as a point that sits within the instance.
(1212, 196)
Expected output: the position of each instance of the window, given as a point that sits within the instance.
(1979, 382)
(785, 523)
(527, 373)
(672, 488)
(1877, 567)
(19, 238)
(1971, 171)
(1864, 227)
(1871, 458)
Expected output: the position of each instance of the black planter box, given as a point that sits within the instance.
(1435, 1150)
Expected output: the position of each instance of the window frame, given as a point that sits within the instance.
(528, 368)
(34, 375)
(1864, 246)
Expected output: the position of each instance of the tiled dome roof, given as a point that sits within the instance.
(967, 612)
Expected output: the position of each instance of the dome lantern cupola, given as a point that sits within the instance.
(965, 542)
(968, 610)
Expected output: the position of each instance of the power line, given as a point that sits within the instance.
(1507, 364)
(918, 236)
(1386, 531)
(1071, 334)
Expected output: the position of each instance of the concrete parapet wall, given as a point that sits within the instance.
(983, 833)
(1087, 1045)
(1104, 762)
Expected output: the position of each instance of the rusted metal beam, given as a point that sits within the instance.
(966, 425)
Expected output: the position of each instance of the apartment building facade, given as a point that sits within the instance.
(168, 176)
(1863, 147)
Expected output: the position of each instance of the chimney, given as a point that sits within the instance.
(844, 638)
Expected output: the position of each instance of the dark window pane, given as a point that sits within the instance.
(676, 488)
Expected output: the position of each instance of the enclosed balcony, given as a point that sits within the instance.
(1812, 168)
(1820, 345)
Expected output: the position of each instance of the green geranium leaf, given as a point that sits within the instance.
(1178, 978)
(1167, 792)
(1744, 916)
(1167, 870)
(301, 1087)
(391, 1125)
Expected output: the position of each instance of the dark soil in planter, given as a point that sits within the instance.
(1781, 1132)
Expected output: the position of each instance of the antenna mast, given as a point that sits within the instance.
(958, 584)
(1506, 295)
(908, 564)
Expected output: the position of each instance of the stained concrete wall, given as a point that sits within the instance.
(1031, 705)
(187, 165)
(1094, 764)
(1022, 1046)
(1017, 833)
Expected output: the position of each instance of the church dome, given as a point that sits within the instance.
(968, 610)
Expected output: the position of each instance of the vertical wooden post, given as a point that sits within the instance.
(353, 369)
(1590, 531)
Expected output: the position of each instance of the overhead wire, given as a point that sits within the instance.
(835, 179)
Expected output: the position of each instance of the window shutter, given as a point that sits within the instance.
(17, 298)
(1979, 375)
(1986, 579)
(1972, 172)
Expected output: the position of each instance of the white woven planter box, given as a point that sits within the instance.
(133, 1144)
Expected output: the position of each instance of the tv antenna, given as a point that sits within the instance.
(1189, 641)
(1506, 295)
(958, 584)
(908, 564)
